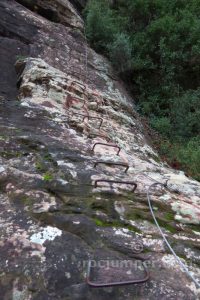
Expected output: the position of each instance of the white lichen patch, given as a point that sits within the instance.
(185, 238)
(43, 206)
(48, 233)
(191, 254)
(194, 289)
(169, 261)
(165, 197)
(68, 275)
(144, 226)
(2, 169)
(195, 200)
(183, 184)
(62, 163)
(122, 232)
(196, 232)
(154, 244)
(187, 213)
(62, 181)
(73, 173)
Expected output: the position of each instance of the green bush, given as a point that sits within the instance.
(189, 156)
(185, 156)
(185, 114)
(103, 29)
(120, 52)
(48, 176)
(100, 24)
(162, 125)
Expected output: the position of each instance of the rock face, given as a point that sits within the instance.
(79, 4)
(53, 218)
(57, 11)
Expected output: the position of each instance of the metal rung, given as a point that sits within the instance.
(115, 181)
(69, 102)
(112, 163)
(119, 283)
(108, 145)
(79, 83)
(75, 96)
(89, 117)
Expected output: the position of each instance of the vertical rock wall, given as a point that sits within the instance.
(54, 214)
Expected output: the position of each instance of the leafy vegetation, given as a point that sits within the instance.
(183, 155)
(48, 176)
(155, 47)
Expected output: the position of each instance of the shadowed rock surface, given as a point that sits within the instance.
(52, 218)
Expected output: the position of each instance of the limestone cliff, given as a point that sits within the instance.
(53, 218)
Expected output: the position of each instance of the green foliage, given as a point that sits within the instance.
(155, 46)
(184, 156)
(185, 114)
(100, 24)
(120, 52)
(189, 156)
(98, 222)
(40, 166)
(115, 223)
(48, 176)
(103, 28)
(162, 125)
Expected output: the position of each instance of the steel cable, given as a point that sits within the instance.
(163, 236)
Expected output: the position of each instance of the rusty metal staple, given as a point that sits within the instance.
(83, 86)
(116, 283)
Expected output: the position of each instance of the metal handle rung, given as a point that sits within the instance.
(78, 83)
(117, 283)
(108, 145)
